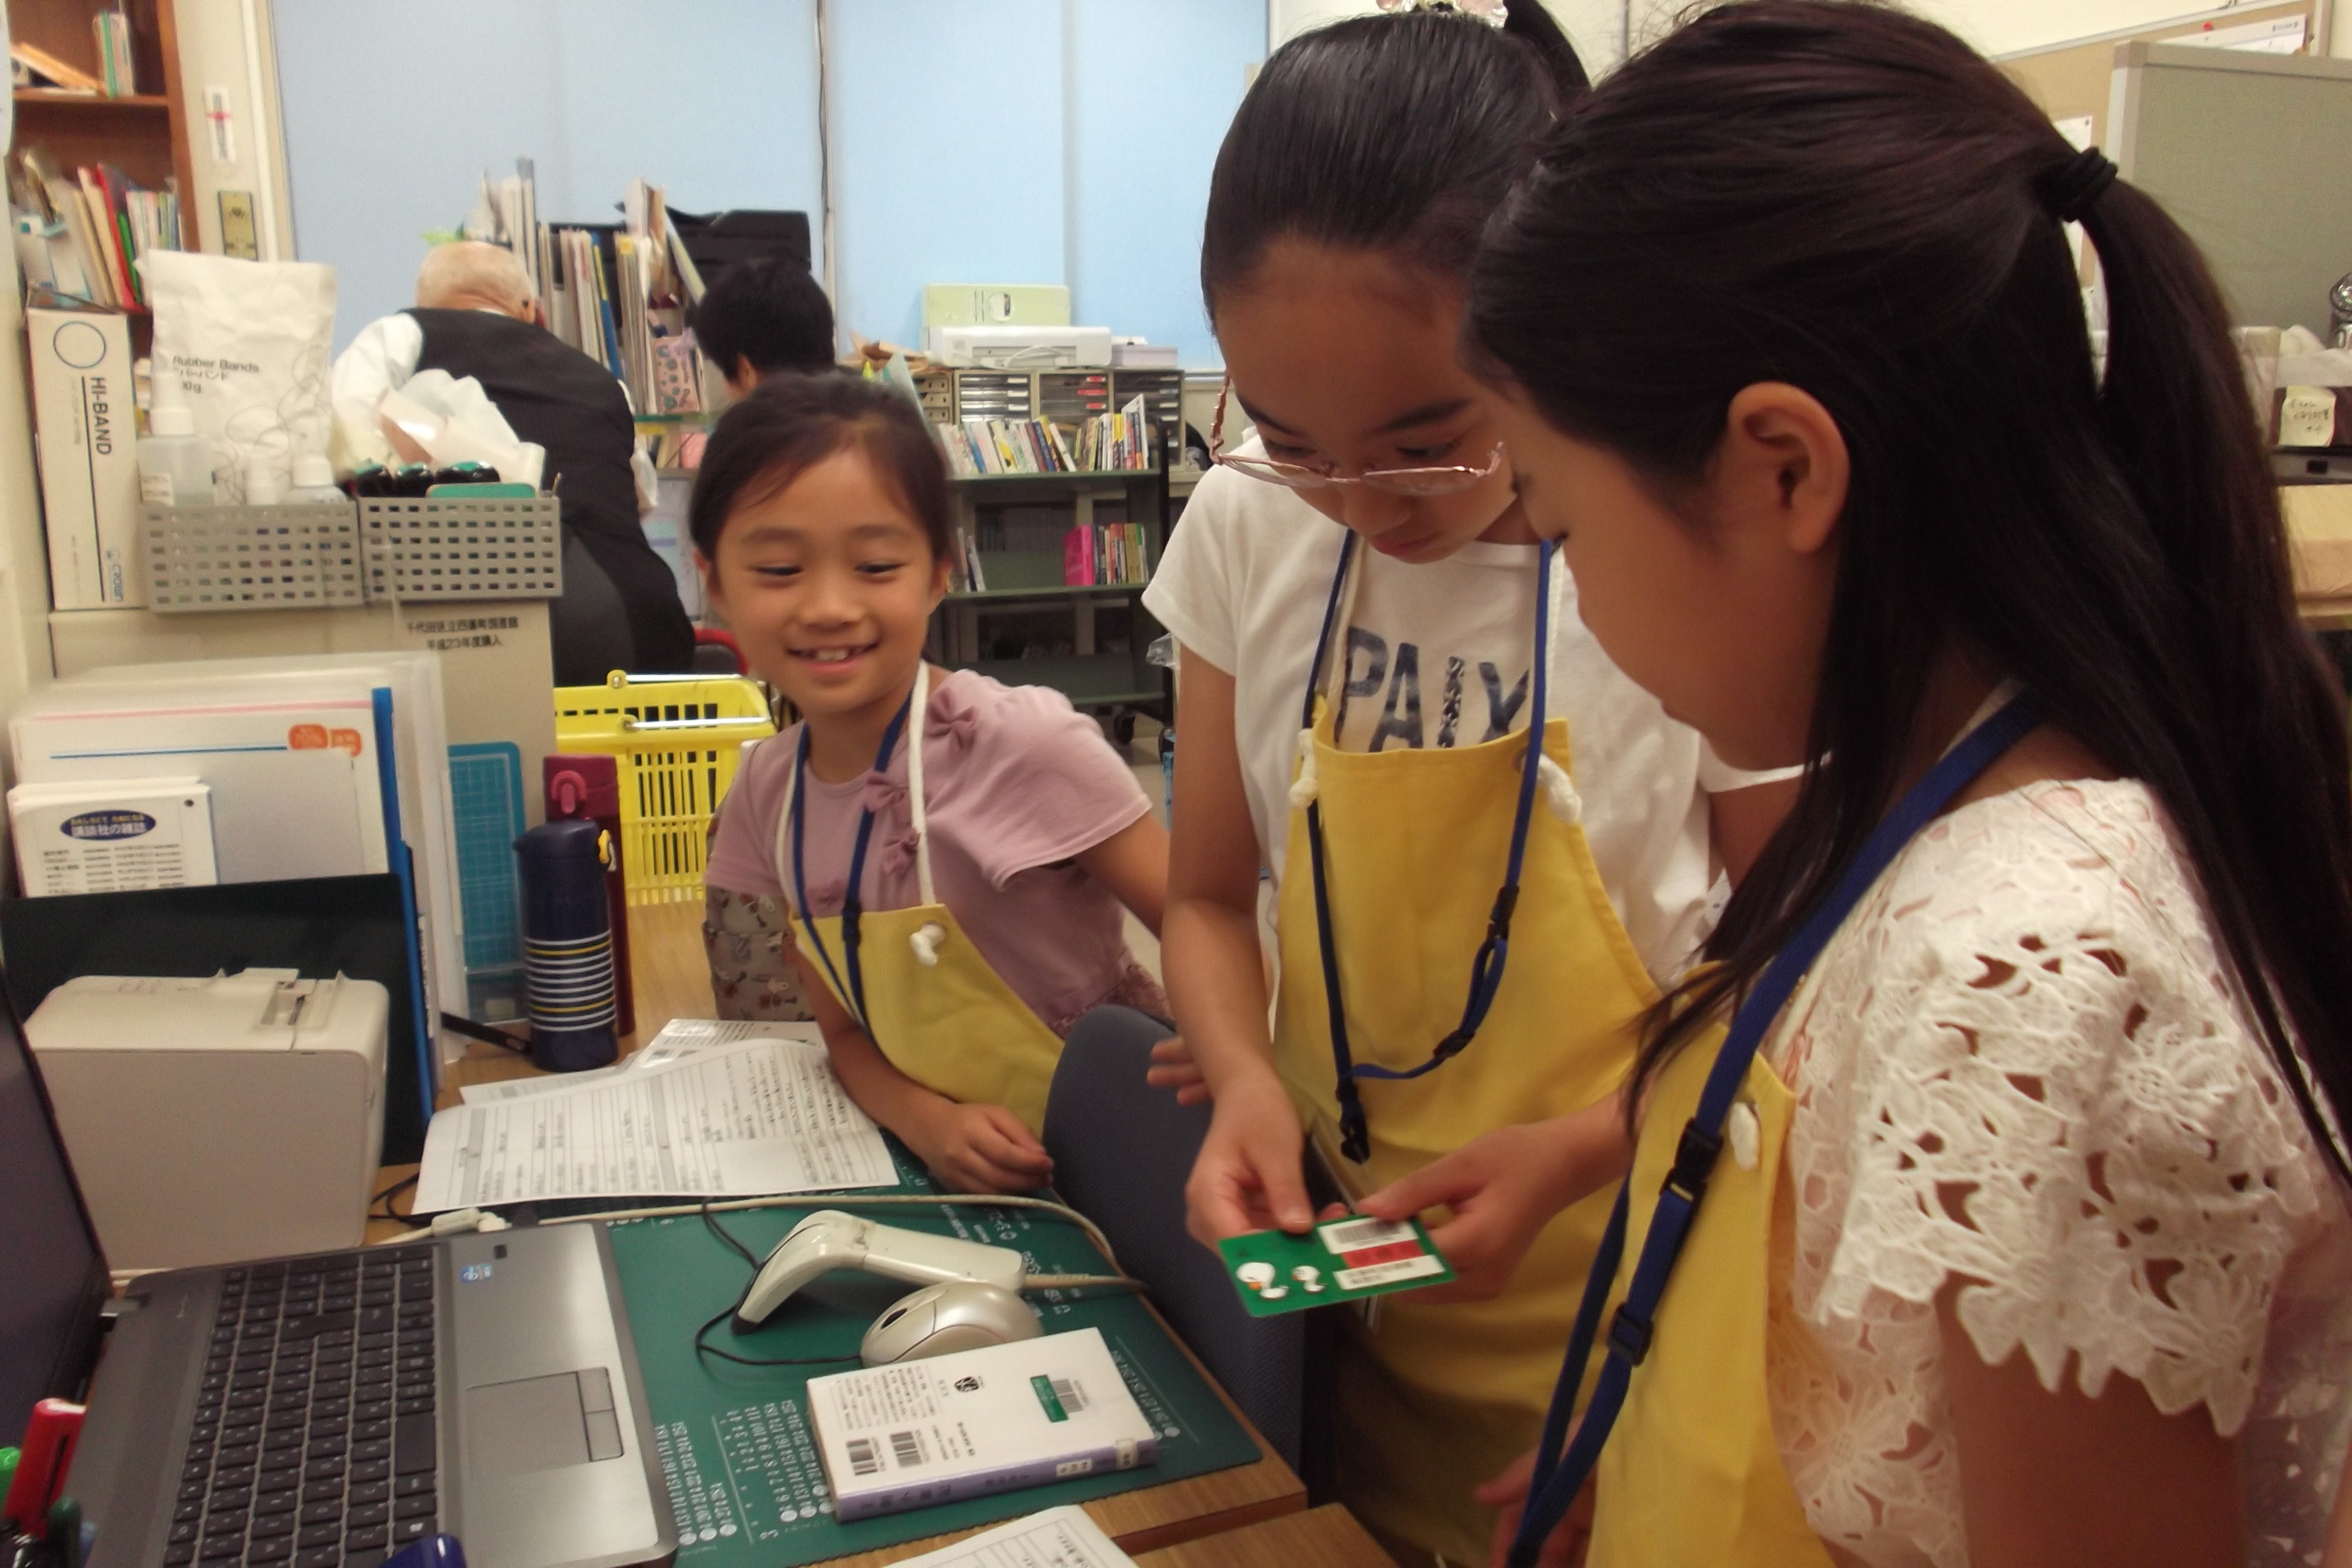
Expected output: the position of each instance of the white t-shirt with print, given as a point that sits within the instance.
(1439, 654)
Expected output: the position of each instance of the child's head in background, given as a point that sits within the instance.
(764, 316)
(821, 518)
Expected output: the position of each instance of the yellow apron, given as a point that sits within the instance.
(1415, 842)
(1691, 1471)
(911, 978)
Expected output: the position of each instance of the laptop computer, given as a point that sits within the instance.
(322, 1411)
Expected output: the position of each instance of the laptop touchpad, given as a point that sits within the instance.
(540, 1424)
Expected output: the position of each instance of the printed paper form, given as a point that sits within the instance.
(680, 1039)
(1058, 1538)
(741, 1120)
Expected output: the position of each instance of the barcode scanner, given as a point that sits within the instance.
(830, 1239)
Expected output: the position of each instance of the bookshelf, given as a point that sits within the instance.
(1028, 627)
(145, 136)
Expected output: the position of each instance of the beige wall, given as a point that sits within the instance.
(1995, 27)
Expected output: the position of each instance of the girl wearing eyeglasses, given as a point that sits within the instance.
(1466, 928)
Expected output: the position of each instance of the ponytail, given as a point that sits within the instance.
(1537, 27)
(1396, 133)
(2271, 847)
(1843, 197)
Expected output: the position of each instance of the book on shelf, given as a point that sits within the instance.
(1117, 442)
(31, 60)
(80, 238)
(966, 572)
(978, 446)
(117, 76)
(1105, 555)
(620, 296)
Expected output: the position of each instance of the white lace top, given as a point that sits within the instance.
(2020, 1061)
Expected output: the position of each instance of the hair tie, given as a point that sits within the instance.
(1493, 13)
(2068, 190)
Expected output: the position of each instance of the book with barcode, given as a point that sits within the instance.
(975, 1423)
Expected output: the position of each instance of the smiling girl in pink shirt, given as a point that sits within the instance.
(988, 865)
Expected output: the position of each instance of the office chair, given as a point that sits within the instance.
(1121, 1153)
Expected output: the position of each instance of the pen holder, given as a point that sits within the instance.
(567, 945)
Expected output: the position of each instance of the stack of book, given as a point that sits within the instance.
(1122, 442)
(620, 297)
(80, 239)
(1106, 556)
(1005, 447)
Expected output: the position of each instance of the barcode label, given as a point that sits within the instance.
(1347, 1236)
(906, 1449)
(1389, 1273)
(863, 1460)
(1073, 1397)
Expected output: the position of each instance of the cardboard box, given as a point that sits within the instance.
(2319, 539)
(89, 435)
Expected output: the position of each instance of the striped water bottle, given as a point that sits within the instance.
(567, 945)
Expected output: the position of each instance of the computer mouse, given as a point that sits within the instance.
(940, 1320)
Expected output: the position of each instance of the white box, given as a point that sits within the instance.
(218, 1119)
(976, 1423)
(493, 656)
(422, 740)
(116, 836)
(88, 436)
(1025, 348)
(297, 789)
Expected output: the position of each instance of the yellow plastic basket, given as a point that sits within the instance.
(677, 740)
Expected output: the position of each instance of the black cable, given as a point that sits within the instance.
(720, 1231)
(488, 1033)
(726, 1312)
(385, 1197)
(745, 1252)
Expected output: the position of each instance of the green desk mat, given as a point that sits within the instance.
(735, 1443)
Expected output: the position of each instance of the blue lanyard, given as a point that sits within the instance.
(1558, 1478)
(1486, 967)
(850, 909)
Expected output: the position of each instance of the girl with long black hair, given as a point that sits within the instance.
(1371, 637)
(2019, 1239)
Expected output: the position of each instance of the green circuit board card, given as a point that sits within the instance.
(1336, 1260)
(735, 1443)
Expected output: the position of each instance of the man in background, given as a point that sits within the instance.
(477, 315)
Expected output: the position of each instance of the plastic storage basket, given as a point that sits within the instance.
(253, 557)
(471, 547)
(677, 740)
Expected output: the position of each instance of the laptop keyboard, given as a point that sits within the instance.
(314, 1442)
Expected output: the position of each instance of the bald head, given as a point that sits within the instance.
(469, 275)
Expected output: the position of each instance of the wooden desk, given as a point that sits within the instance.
(2326, 615)
(1326, 1537)
(673, 981)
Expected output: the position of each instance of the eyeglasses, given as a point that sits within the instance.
(1299, 477)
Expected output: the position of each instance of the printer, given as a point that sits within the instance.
(215, 1120)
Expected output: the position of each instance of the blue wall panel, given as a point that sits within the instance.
(391, 113)
(948, 151)
(975, 141)
(1153, 85)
